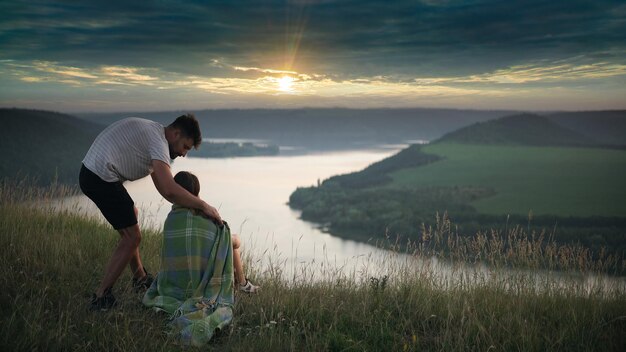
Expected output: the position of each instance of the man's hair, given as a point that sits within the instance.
(188, 181)
(189, 127)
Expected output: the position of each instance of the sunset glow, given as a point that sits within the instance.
(285, 84)
(315, 54)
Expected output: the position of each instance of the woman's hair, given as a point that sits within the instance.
(188, 181)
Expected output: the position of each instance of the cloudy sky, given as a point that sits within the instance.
(115, 55)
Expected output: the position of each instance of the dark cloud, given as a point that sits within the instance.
(471, 35)
(344, 38)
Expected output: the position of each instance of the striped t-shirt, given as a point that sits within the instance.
(126, 148)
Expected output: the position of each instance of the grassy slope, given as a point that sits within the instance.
(43, 144)
(50, 263)
(546, 180)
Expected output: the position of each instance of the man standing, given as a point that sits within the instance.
(130, 149)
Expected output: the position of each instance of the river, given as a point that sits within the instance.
(252, 193)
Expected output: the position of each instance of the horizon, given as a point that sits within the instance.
(179, 111)
(114, 57)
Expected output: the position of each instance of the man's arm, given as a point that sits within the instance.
(174, 193)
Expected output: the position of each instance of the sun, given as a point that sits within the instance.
(285, 84)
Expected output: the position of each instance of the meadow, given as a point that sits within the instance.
(51, 262)
(543, 180)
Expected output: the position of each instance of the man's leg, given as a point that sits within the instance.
(127, 248)
(136, 267)
(118, 208)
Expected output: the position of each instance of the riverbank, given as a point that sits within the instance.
(51, 262)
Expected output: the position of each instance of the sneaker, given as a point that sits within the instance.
(103, 303)
(144, 283)
(249, 287)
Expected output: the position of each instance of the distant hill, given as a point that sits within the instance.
(44, 144)
(606, 127)
(521, 129)
(331, 128)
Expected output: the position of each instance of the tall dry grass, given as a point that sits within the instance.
(518, 292)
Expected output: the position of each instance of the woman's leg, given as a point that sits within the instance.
(240, 277)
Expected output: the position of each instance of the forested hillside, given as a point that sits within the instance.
(605, 127)
(44, 145)
(522, 129)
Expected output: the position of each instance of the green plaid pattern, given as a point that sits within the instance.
(196, 281)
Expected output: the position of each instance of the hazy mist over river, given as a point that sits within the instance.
(251, 194)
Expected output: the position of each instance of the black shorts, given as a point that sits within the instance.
(111, 198)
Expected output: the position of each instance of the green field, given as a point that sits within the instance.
(544, 180)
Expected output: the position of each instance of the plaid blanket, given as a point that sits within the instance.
(195, 284)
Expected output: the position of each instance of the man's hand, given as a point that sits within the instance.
(174, 193)
(212, 213)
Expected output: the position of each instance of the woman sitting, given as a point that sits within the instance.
(198, 269)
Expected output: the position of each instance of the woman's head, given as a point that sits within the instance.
(188, 181)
